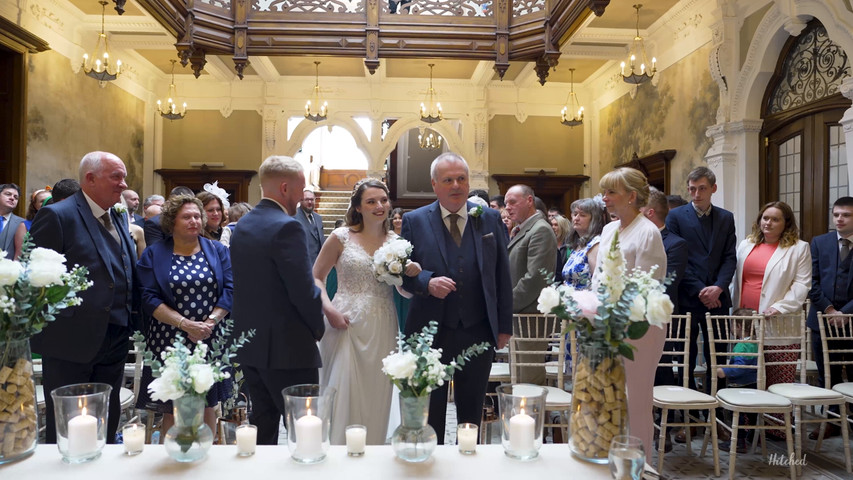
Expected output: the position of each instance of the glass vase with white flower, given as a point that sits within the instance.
(33, 290)
(622, 307)
(184, 377)
(416, 370)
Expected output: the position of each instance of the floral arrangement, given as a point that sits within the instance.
(389, 261)
(34, 289)
(416, 368)
(475, 211)
(622, 307)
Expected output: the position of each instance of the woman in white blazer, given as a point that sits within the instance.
(774, 275)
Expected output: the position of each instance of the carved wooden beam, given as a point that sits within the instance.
(120, 6)
(502, 14)
(241, 29)
(371, 36)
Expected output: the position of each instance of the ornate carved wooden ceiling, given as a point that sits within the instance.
(498, 30)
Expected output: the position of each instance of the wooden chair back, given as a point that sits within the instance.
(725, 331)
(533, 342)
(836, 338)
(677, 346)
(787, 329)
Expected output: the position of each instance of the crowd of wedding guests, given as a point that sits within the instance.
(192, 259)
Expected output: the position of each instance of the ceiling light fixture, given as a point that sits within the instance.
(638, 53)
(98, 66)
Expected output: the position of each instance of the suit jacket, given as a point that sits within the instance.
(153, 232)
(531, 252)
(7, 235)
(787, 277)
(676, 263)
(313, 233)
(424, 228)
(274, 291)
(70, 228)
(710, 261)
(155, 265)
(139, 220)
(825, 253)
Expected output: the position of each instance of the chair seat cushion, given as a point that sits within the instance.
(750, 397)
(125, 396)
(499, 370)
(801, 391)
(676, 394)
(844, 388)
(557, 397)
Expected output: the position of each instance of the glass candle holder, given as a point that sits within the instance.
(522, 413)
(308, 419)
(466, 438)
(133, 436)
(247, 439)
(356, 439)
(81, 420)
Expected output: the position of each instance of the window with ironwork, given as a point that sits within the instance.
(813, 70)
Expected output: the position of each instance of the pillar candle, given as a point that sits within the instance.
(82, 434)
(521, 432)
(309, 436)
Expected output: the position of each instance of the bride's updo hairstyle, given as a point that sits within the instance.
(353, 217)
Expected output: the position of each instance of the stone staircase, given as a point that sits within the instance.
(332, 206)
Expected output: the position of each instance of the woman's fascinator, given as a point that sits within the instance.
(599, 200)
(219, 192)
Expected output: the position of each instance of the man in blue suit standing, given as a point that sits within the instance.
(312, 222)
(9, 193)
(465, 285)
(711, 261)
(832, 289)
(274, 293)
(89, 342)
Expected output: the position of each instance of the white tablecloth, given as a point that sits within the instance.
(555, 461)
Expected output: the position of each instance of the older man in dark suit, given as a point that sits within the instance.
(9, 195)
(312, 222)
(832, 289)
(465, 285)
(711, 261)
(89, 342)
(274, 293)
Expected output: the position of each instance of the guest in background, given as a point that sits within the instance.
(9, 194)
(235, 212)
(151, 212)
(63, 189)
(531, 250)
(137, 235)
(540, 206)
(508, 223)
(497, 202)
(152, 229)
(588, 219)
(312, 222)
(213, 209)
(562, 228)
(773, 277)
(401, 303)
(37, 200)
(675, 201)
(397, 220)
(553, 212)
(626, 190)
(184, 257)
(131, 199)
(332, 277)
(481, 194)
(150, 200)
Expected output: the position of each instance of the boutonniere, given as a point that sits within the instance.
(119, 208)
(475, 211)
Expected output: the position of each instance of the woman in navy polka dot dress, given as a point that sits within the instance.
(186, 287)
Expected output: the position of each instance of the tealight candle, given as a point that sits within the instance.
(309, 436)
(247, 440)
(521, 432)
(466, 438)
(133, 435)
(82, 434)
(356, 439)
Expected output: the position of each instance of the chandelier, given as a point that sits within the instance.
(429, 139)
(315, 97)
(638, 53)
(171, 111)
(431, 114)
(98, 66)
(572, 105)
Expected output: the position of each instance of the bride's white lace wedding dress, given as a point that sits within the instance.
(352, 358)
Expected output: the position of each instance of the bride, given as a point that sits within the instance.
(362, 315)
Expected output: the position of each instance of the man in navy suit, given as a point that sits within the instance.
(832, 289)
(312, 222)
(89, 342)
(9, 194)
(465, 285)
(711, 260)
(274, 293)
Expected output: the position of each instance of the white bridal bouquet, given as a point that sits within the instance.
(416, 368)
(622, 307)
(389, 261)
(34, 289)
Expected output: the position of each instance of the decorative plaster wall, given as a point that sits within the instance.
(70, 115)
(672, 115)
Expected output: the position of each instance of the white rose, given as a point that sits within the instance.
(9, 271)
(388, 256)
(46, 267)
(47, 255)
(401, 365)
(202, 377)
(659, 308)
(638, 309)
(549, 299)
(167, 386)
(395, 267)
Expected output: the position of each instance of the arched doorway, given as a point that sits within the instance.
(803, 152)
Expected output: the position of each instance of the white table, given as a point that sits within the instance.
(378, 463)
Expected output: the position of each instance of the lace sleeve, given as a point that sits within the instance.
(342, 233)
